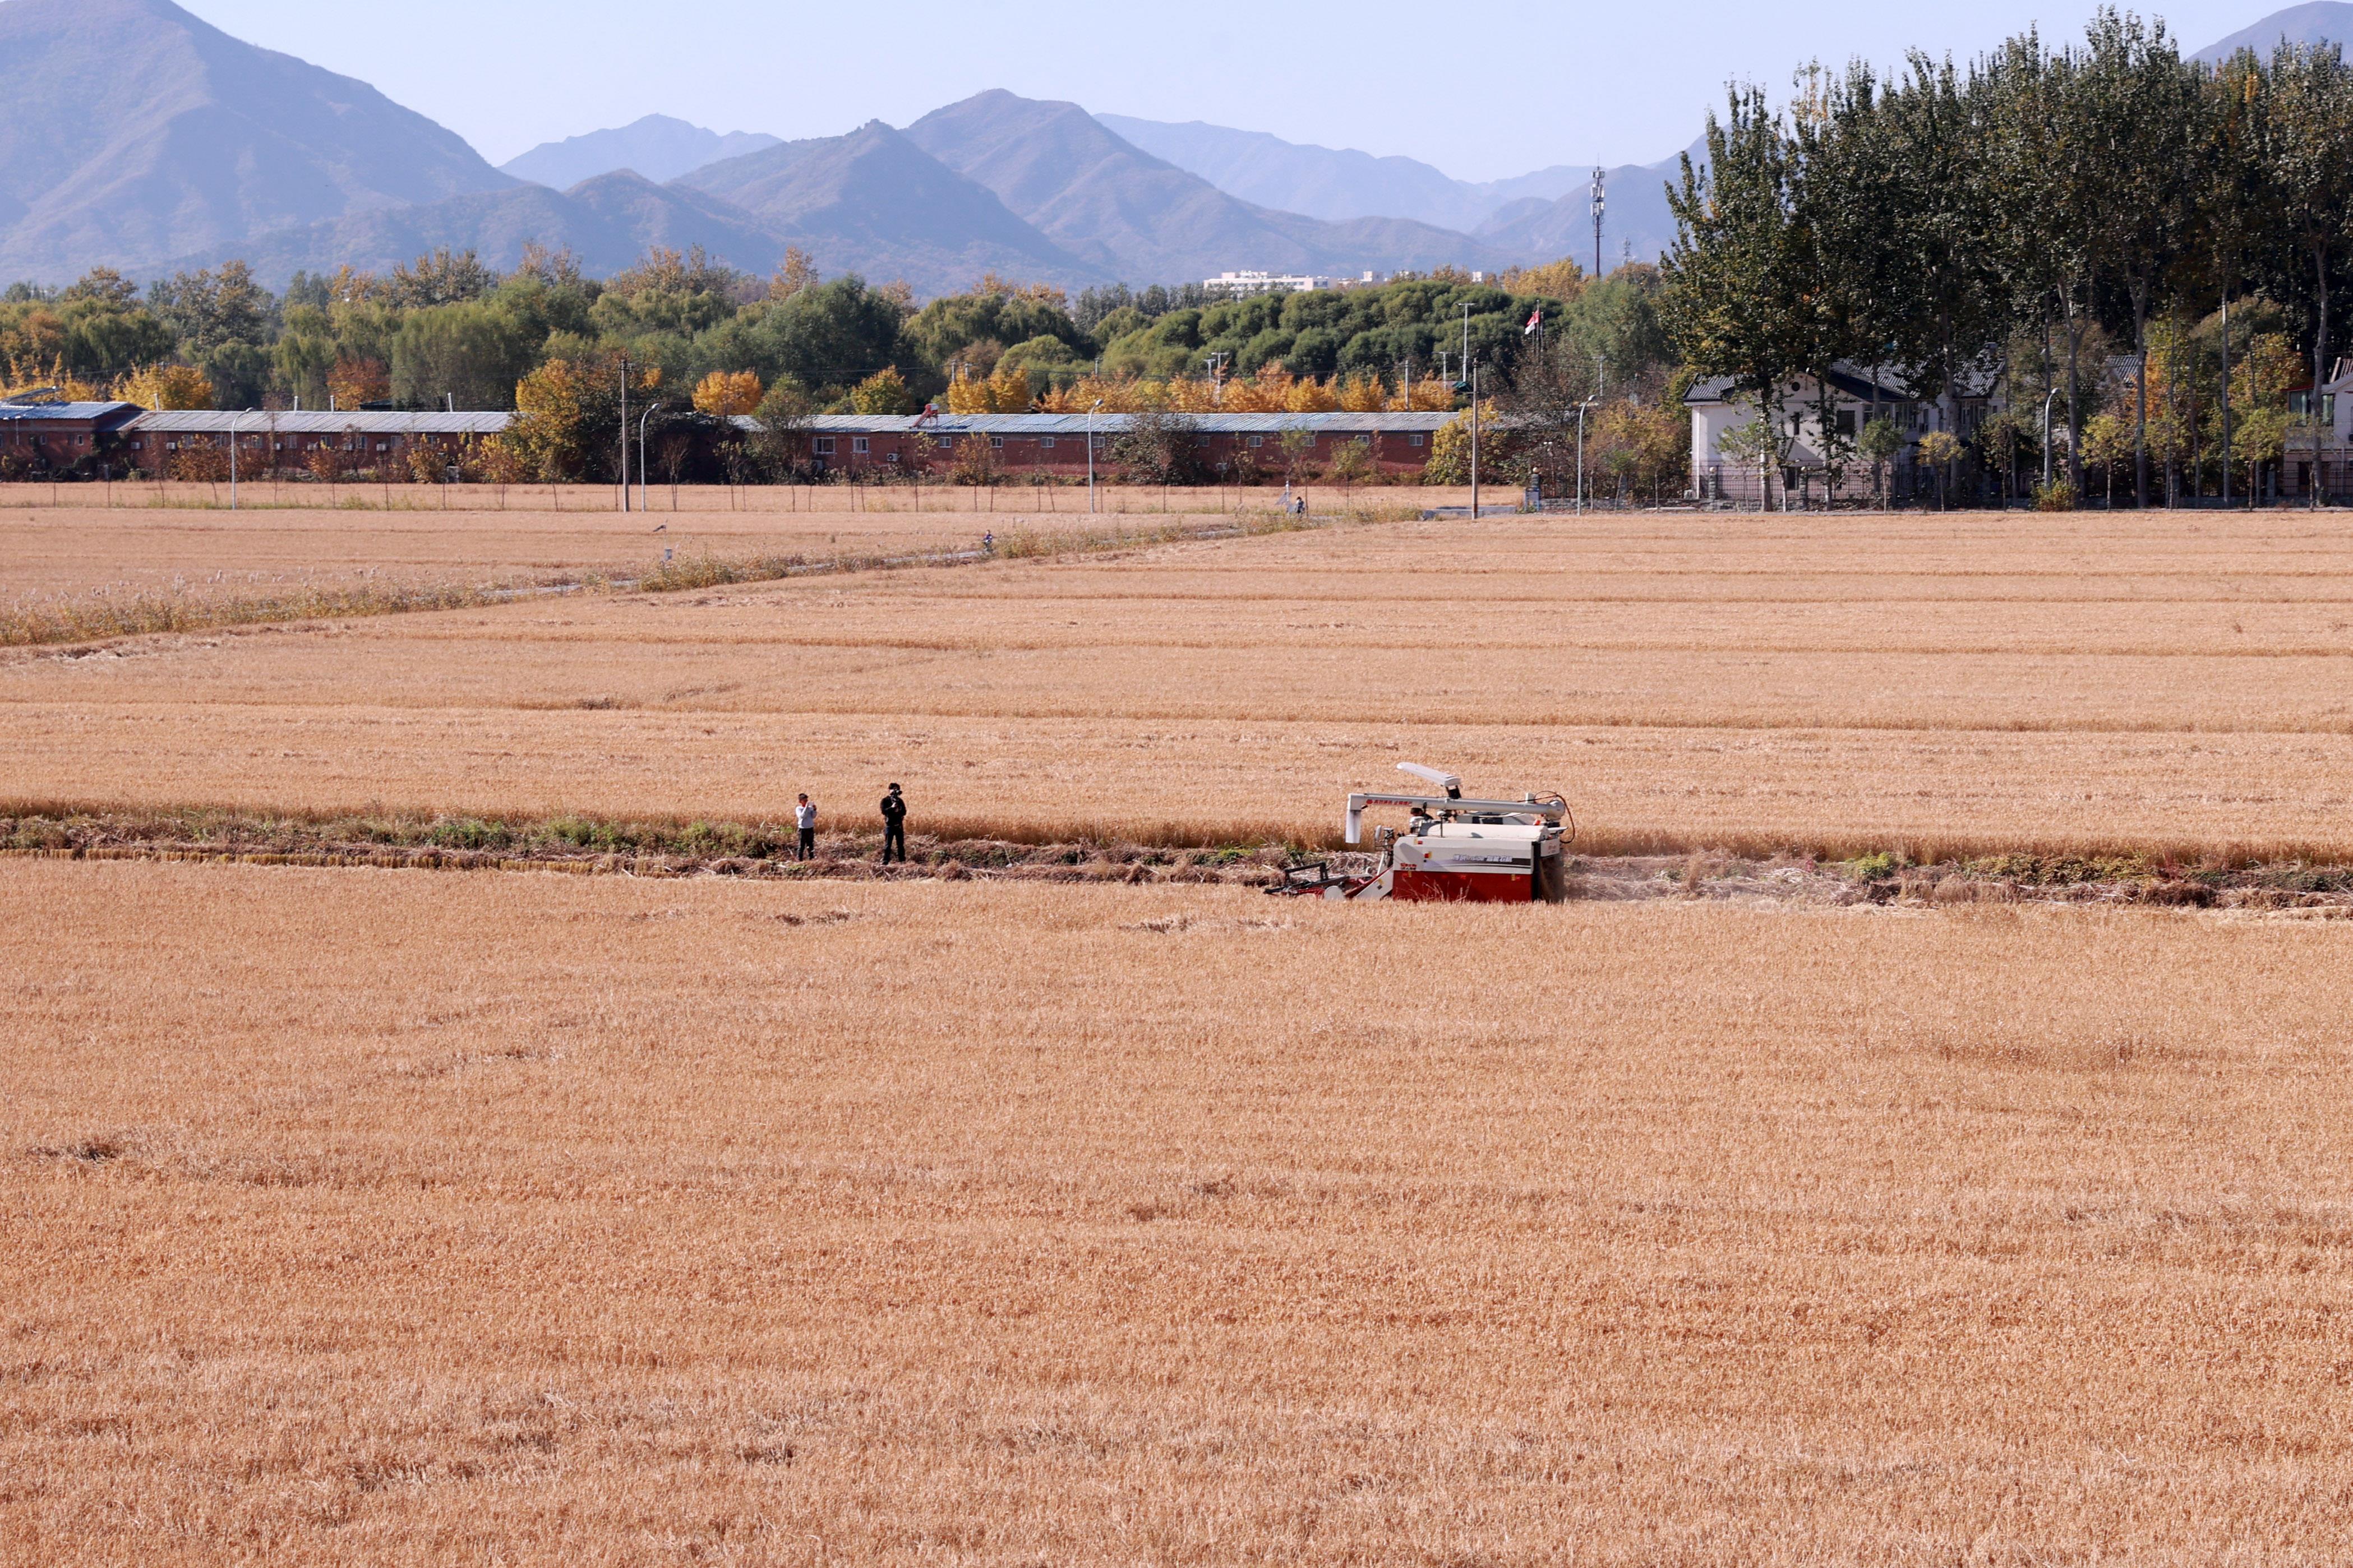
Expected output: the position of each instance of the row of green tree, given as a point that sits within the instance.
(447, 331)
(2006, 224)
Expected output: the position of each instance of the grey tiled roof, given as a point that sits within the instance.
(216, 422)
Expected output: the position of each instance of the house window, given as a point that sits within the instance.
(171, 445)
(823, 446)
(1047, 442)
(859, 444)
(1258, 440)
(383, 446)
(1414, 439)
(996, 443)
(1846, 421)
(134, 444)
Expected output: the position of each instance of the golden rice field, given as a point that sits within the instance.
(360, 1217)
(368, 1217)
(2181, 680)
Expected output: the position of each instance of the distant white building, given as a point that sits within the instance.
(1242, 285)
(1855, 397)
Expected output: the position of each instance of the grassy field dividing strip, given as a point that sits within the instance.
(1647, 866)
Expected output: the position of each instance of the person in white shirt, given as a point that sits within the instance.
(805, 818)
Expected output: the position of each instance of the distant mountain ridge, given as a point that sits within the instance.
(607, 222)
(2322, 22)
(131, 132)
(1128, 214)
(134, 135)
(1335, 183)
(1534, 217)
(876, 203)
(658, 146)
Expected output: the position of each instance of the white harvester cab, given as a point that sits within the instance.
(1454, 851)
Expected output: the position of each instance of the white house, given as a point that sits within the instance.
(2332, 453)
(1856, 398)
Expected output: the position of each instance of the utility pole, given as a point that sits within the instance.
(1474, 442)
(1600, 202)
(645, 501)
(1091, 454)
(625, 432)
(234, 425)
(1580, 454)
(1217, 364)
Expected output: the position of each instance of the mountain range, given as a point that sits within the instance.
(657, 147)
(136, 136)
(2322, 22)
(131, 132)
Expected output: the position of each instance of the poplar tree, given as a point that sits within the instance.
(1733, 302)
(2311, 159)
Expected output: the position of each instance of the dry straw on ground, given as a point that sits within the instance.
(365, 1218)
(1955, 684)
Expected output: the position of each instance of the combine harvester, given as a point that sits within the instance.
(1454, 851)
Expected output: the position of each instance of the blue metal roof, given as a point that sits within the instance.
(1078, 424)
(256, 422)
(64, 410)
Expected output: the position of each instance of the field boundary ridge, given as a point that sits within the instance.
(672, 847)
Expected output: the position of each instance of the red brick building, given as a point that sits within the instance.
(1054, 446)
(267, 439)
(39, 438)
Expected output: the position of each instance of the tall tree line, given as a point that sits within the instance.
(1926, 225)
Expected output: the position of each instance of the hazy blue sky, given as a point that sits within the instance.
(1485, 91)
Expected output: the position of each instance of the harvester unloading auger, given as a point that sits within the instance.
(1454, 851)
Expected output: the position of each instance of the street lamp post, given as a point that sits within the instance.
(625, 433)
(1580, 454)
(233, 426)
(645, 502)
(1091, 454)
(1474, 441)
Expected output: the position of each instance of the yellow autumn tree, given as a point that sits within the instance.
(1311, 396)
(167, 387)
(725, 394)
(1427, 395)
(795, 273)
(357, 382)
(544, 441)
(24, 377)
(884, 392)
(1562, 279)
(1363, 395)
(1005, 392)
(1118, 395)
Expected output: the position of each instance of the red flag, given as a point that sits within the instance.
(1534, 321)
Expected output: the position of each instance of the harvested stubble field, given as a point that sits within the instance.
(367, 1216)
(2179, 683)
(405, 1216)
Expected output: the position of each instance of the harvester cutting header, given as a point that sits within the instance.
(1454, 851)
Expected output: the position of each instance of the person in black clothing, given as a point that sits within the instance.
(894, 825)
